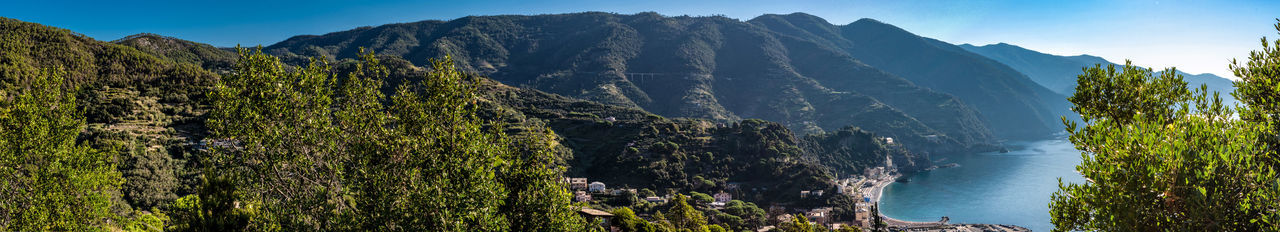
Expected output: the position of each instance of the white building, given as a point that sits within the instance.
(596, 187)
(581, 196)
(576, 183)
(723, 197)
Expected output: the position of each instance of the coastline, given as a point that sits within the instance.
(942, 224)
(877, 191)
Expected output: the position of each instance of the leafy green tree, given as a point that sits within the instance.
(732, 222)
(218, 206)
(627, 221)
(150, 177)
(849, 228)
(645, 192)
(318, 152)
(701, 198)
(282, 140)
(1160, 157)
(1257, 89)
(798, 223)
(715, 228)
(752, 216)
(685, 217)
(50, 182)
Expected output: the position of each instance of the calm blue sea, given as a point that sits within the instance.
(992, 188)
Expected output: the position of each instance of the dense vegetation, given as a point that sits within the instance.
(307, 150)
(182, 51)
(51, 182)
(1159, 156)
(136, 110)
(699, 67)
(149, 138)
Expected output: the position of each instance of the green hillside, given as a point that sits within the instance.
(1012, 105)
(144, 111)
(145, 102)
(182, 51)
(626, 146)
(714, 68)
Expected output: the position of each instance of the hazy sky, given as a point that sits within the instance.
(1195, 36)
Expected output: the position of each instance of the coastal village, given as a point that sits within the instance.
(866, 187)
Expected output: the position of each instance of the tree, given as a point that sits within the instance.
(150, 178)
(849, 228)
(1158, 156)
(715, 228)
(877, 223)
(798, 223)
(752, 217)
(283, 150)
(319, 152)
(627, 221)
(701, 198)
(50, 181)
(685, 217)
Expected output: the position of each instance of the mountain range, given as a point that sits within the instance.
(795, 69)
(662, 100)
(1058, 73)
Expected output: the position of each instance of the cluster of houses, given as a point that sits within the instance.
(583, 191)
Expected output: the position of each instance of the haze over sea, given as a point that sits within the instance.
(993, 188)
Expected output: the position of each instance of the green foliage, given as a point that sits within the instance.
(181, 51)
(137, 110)
(743, 215)
(1158, 156)
(51, 181)
(627, 221)
(1258, 88)
(148, 222)
(150, 177)
(850, 151)
(849, 228)
(701, 198)
(218, 206)
(877, 223)
(715, 228)
(329, 153)
(684, 217)
(798, 223)
(668, 153)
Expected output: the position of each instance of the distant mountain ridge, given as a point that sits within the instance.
(795, 69)
(1059, 72)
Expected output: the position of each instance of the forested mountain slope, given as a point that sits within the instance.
(207, 56)
(701, 67)
(146, 101)
(1011, 104)
(145, 108)
(626, 146)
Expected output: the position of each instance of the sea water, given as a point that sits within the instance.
(988, 188)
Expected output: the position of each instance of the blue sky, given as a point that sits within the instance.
(1195, 36)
